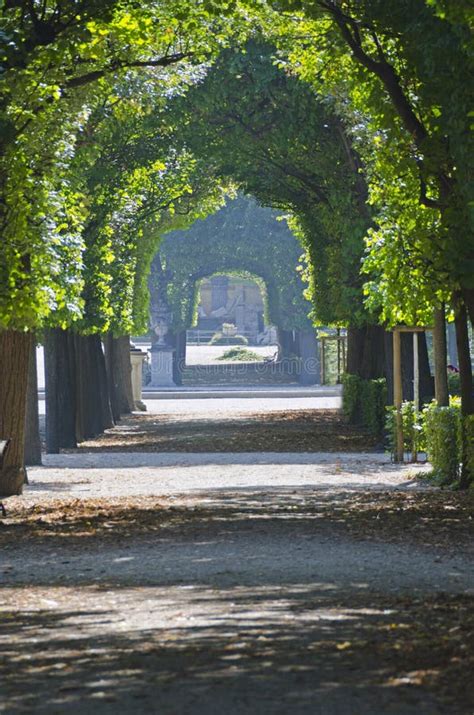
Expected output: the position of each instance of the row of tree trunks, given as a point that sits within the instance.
(60, 379)
(179, 356)
(118, 367)
(83, 397)
(370, 356)
(15, 348)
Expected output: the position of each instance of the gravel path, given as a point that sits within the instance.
(113, 474)
(246, 596)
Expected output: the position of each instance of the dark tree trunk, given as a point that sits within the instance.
(127, 404)
(465, 374)
(32, 433)
(14, 361)
(464, 355)
(94, 413)
(179, 357)
(366, 351)
(355, 350)
(60, 379)
(440, 358)
(388, 345)
(119, 374)
(373, 356)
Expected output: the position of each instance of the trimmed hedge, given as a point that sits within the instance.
(221, 339)
(442, 428)
(454, 384)
(412, 425)
(363, 402)
(351, 389)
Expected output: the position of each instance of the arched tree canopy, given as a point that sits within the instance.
(242, 237)
(271, 134)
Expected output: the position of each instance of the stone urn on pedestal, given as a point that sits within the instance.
(161, 356)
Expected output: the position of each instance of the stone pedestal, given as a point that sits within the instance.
(137, 358)
(162, 366)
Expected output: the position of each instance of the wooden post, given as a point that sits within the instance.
(338, 356)
(323, 361)
(398, 394)
(416, 389)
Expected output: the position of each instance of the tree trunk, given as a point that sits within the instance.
(94, 414)
(179, 358)
(464, 354)
(14, 361)
(119, 374)
(373, 356)
(355, 350)
(440, 358)
(366, 351)
(60, 384)
(32, 434)
(287, 347)
(127, 404)
(465, 374)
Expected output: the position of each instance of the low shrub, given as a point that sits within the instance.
(454, 384)
(221, 339)
(363, 402)
(442, 430)
(412, 426)
(351, 389)
(240, 354)
(373, 397)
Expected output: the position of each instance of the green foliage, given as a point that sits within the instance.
(351, 390)
(412, 426)
(363, 402)
(442, 428)
(285, 146)
(60, 64)
(454, 384)
(408, 107)
(241, 355)
(220, 338)
(244, 239)
(373, 402)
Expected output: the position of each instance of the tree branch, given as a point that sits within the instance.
(93, 76)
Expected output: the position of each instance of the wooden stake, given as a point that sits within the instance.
(398, 394)
(416, 389)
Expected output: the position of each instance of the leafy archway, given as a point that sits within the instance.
(242, 238)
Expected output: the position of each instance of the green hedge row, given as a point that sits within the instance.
(442, 429)
(438, 432)
(363, 402)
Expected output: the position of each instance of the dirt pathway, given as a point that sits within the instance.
(345, 598)
(195, 573)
